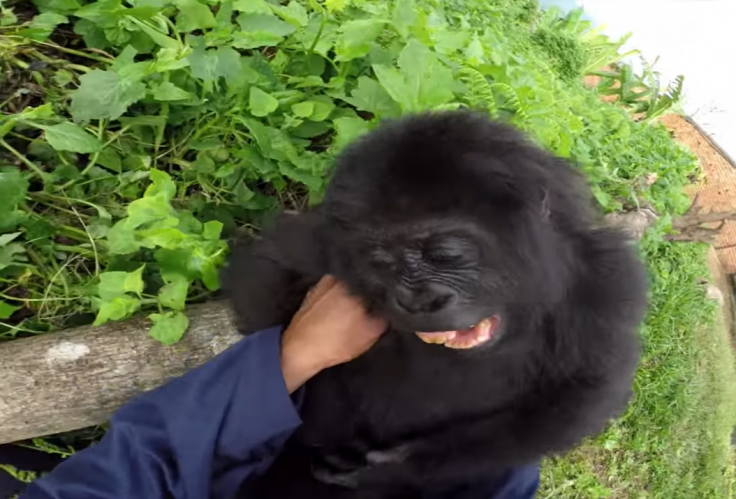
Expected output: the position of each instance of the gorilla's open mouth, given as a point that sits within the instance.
(471, 337)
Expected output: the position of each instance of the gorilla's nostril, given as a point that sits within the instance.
(424, 304)
(410, 306)
(439, 303)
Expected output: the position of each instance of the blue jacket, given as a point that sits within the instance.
(201, 435)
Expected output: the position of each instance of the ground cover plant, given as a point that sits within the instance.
(137, 136)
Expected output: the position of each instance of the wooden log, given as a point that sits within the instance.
(78, 377)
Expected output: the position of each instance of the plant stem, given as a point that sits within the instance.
(74, 52)
(30, 164)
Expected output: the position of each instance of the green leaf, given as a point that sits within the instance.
(103, 94)
(120, 307)
(193, 16)
(110, 159)
(294, 13)
(6, 238)
(161, 184)
(168, 328)
(261, 103)
(13, 188)
(65, 7)
(260, 30)
(252, 6)
(42, 26)
(104, 14)
(174, 293)
(349, 129)
(8, 255)
(474, 53)
(423, 82)
(212, 230)
(113, 284)
(70, 137)
(7, 310)
(372, 97)
(303, 109)
(167, 91)
(357, 38)
(403, 16)
(121, 238)
(323, 106)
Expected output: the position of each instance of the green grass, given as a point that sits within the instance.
(135, 141)
(674, 441)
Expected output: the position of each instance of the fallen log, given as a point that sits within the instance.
(78, 377)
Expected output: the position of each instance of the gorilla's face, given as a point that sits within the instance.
(442, 225)
(447, 281)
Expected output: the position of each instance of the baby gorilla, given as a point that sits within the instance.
(461, 233)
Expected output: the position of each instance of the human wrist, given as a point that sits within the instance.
(297, 367)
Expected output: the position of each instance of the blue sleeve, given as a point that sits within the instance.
(197, 437)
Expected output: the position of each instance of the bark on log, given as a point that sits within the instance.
(78, 377)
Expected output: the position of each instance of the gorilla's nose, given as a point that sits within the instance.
(430, 299)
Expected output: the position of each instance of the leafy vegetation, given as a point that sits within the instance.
(137, 136)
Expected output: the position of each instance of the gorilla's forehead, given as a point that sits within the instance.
(431, 229)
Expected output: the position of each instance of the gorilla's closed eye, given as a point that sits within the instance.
(449, 251)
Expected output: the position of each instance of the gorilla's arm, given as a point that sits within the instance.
(268, 277)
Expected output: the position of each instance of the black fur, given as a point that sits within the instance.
(437, 221)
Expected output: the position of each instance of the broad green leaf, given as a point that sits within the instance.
(110, 159)
(335, 5)
(323, 106)
(349, 129)
(70, 137)
(167, 91)
(117, 283)
(474, 53)
(372, 97)
(212, 230)
(103, 94)
(294, 13)
(396, 85)
(93, 35)
(204, 65)
(423, 82)
(252, 6)
(163, 237)
(260, 30)
(303, 109)
(104, 14)
(168, 328)
(261, 103)
(403, 16)
(7, 16)
(65, 7)
(42, 26)
(120, 307)
(174, 293)
(430, 81)
(6, 310)
(229, 66)
(193, 16)
(161, 184)
(13, 188)
(121, 238)
(6, 238)
(9, 255)
(357, 38)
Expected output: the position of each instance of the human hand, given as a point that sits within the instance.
(330, 328)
